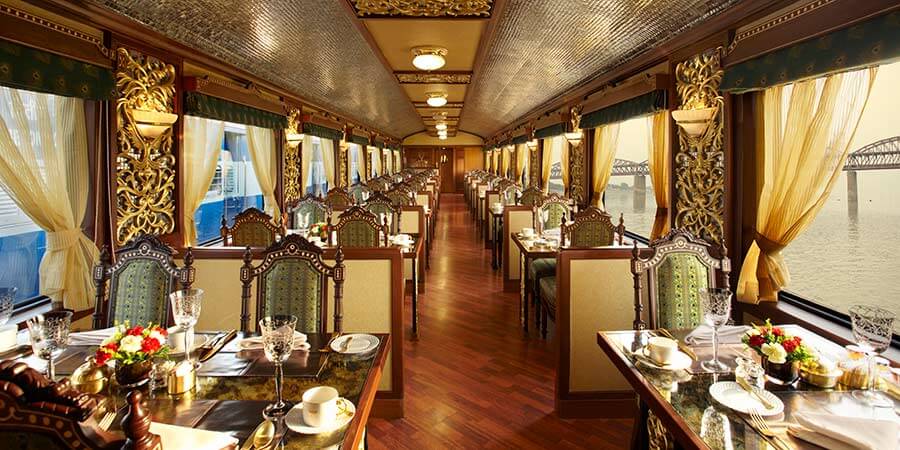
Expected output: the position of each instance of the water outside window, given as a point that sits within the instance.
(632, 195)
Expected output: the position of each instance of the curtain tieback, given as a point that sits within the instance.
(767, 245)
(61, 240)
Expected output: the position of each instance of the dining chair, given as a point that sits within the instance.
(309, 210)
(380, 205)
(139, 283)
(251, 227)
(292, 279)
(555, 208)
(357, 227)
(400, 196)
(338, 198)
(675, 268)
(360, 193)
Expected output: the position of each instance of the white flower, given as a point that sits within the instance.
(775, 352)
(130, 344)
(158, 336)
(109, 340)
(753, 332)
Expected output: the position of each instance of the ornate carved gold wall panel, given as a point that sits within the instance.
(534, 167)
(577, 161)
(291, 164)
(145, 168)
(343, 164)
(700, 161)
(423, 8)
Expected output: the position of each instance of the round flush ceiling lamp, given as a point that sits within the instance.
(440, 126)
(436, 99)
(442, 137)
(429, 57)
(440, 116)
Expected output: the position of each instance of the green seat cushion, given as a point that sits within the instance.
(678, 279)
(542, 267)
(294, 286)
(139, 293)
(357, 233)
(253, 234)
(548, 293)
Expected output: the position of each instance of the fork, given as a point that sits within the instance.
(763, 427)
(107, 420)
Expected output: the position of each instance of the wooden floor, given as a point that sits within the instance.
(473, 380)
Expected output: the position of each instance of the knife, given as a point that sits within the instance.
(17, 352)
(746, 386)
(219, 344)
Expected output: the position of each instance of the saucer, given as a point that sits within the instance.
(294, 418)
(199, 341)
(680, 361)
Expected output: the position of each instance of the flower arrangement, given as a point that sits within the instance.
(775, 345)
(131, 345)
(319, 229)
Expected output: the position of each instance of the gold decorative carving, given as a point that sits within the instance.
(344, 164)
(291, 176)
(24, 15)
(700, 161)
(145, 168)
(423, 8)
(577, 163)
(434, 77)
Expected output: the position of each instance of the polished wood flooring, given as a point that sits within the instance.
(473, 379)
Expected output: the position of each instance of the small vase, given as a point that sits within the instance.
(783, 374)
(133, 375)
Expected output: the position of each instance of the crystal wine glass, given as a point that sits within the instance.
(873, 328)
(7, 297)
(716, 304)
(715, 429)
(186, 309)
(278, 342)
(49, 335)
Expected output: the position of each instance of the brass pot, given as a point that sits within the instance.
(784, 373)
(133, 375)
(91, 378)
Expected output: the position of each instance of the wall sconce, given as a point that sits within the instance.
(532, 144)
(152, 124)
(294, 139)
(574, 137)
(695, 122)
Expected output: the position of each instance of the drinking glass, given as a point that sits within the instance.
(186, 309)
(7, 297)
(278, 342)
(873, 328)
(49, 335)
(716, 304)
(715, 429)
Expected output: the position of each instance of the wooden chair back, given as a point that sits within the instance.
(252, 228)
(382, 206)
(357, 227)
(551, 212)
(592, 227)
(360, 193)
(338, 198)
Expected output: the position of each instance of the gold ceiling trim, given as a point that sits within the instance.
(776, 21)
(434, 77)
(423, 8)
(24, 15)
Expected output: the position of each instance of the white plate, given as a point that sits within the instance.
(361, 343)
(680, 361)
(733, 396)
(294, 418)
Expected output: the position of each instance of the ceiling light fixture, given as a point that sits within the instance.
(440, 126)
(436, 99)
(443, 137)
(429, 57)
(442, 133)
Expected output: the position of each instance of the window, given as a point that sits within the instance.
(22, 245)
(848, 254)
(233, 189)
(353, 158)
(316, 184)
(555, 146)
(630, 191)
(374, 158)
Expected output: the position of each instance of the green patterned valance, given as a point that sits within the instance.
(359, 140)
(380, 145)
(869, 43)
(202, 105)
(552, 130)
(633, 107)
(322, 132)
(519, 140)
(30, 69)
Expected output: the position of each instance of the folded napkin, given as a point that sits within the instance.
(256, 343)
(554, 232)
(93, 337)
(173, 437)
(836, 432)
(728, 334)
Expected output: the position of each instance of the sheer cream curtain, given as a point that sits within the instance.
(261, 144)
(388, 163)
(398, 162)
(44, 170)
(505, 158)
(521, 161)
(361, 163)
(327, 146)
(546, 158)
(202, 146)
(660, 165)
(606, 140)
(376, 159)
(804, 135)
(306, 157)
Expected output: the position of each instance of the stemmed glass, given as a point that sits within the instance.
(49, 335)
(7, 297)
(186, 308)
(716, 304)
(278, 343)
(873, 328)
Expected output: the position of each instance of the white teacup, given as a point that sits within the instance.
(661, 349)
(320, 406)
(402, 238)
(176, 338)
(528, 232)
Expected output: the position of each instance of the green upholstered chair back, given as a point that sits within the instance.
(401, 197)
(553, 211)
(380, 205)
(357, 227)
(676, 267)
(139, 283)
(292, 279)
(338, 198)
(531, 197)
(252, 228)
(360, 193)
(592, 227)
(310, 209)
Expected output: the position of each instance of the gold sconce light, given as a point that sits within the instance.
(574, 136)
(695, 122)
(294, 139)
(152, 124)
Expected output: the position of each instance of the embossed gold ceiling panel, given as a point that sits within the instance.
(540, 49)
(309, 47)
(422, 8)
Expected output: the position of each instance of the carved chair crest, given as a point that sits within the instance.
(252, 227)
(358, 227)
(400, 196)
(380, 204)
(592, 227)
(551, 211)
(360, 193)
(140, 281)
(285, 268)
(338, 198)
(309, 207)
(676, 267)
(531, 196)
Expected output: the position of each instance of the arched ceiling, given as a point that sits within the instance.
(506, 57)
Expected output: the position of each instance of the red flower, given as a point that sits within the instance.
(136, 331)
(149, 345)
(161, 331)
(101, 357)
(757, 340)
(790, 345)
(777, 332)
(112, 347)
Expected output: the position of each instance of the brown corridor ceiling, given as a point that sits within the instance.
(538, 49)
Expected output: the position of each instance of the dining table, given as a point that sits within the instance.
(235, 385)
(529, 250)
(677, 404)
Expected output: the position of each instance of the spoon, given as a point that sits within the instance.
(261, 437)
